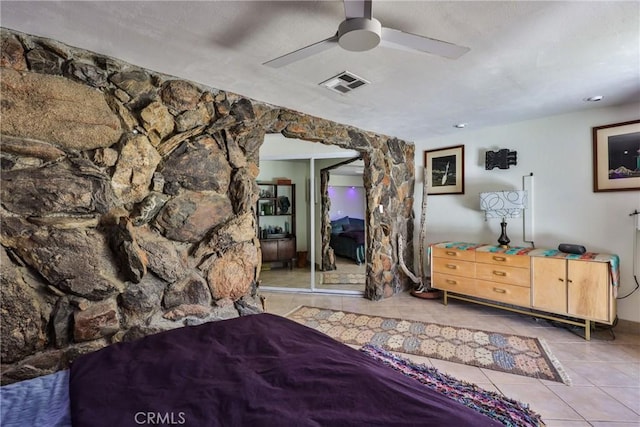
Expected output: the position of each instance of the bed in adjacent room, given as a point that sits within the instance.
(348, 239)
(256, 370)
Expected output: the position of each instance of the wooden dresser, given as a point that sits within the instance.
(545, 282)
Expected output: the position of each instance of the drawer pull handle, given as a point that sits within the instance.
(500, 291)
(561, 279)
(499, 273)
(451, 253)
(499, 258)
(452, 266)
(452, 282)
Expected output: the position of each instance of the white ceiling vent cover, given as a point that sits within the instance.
(344, 82)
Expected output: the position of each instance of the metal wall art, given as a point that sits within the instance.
(501, 159)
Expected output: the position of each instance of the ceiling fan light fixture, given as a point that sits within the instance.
(359, 34)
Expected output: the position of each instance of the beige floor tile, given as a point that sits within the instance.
(603, 374)
(613, 424)
(541, 399)
(628, 396)
(277, 303)
(279, 309)
(463, 372)
(594, 404)
(626, 338)
(498, 378)
(414, 358)
(632, 369)
(565, 423)
(632, 349)
(574, 377)
(579, 351)
(320, 301)
(616, 352)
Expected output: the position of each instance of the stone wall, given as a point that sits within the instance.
(128, 202)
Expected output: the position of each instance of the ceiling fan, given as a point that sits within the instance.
(360, 32)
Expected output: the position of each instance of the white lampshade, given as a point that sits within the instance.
(503, 204)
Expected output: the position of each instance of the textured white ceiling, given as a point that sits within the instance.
(528, 59)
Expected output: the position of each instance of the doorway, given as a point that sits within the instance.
(281, 160)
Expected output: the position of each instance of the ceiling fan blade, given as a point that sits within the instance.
(357, 9)
(303, 53)
(407, 41)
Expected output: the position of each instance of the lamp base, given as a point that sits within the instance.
(504, 239)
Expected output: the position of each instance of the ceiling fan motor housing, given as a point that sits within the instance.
(359, 34)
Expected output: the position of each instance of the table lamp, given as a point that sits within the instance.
(503, 204)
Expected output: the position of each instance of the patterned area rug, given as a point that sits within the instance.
(334, 278)
(514, 354)
(508, 411)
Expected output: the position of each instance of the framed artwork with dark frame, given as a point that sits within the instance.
(616, 157)
(445, 170)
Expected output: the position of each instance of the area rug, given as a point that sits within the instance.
(510, 353)
(335, 278)
(508, 411)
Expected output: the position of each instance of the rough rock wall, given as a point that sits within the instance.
(128, 202)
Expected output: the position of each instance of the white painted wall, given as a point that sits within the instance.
(345, 180)
(558, 151)
(277, 146)
(347, 201)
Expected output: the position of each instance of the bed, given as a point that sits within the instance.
(255, 370)
(347, 238)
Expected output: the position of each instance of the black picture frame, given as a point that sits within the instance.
(616, 157)
(445, 170)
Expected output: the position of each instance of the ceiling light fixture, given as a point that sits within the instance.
(460, 125)
(595, 98)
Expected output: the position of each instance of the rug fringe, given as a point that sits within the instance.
(555, 362)
(510, 412)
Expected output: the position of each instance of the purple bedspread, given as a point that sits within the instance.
(258, 370)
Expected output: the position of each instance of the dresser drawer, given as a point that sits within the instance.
(516, 295)
(503, 274)
(453, 253)
(521, 261)
(454, 267)
(447, 282)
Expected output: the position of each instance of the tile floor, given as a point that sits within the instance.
(605, 373)
(301, 277)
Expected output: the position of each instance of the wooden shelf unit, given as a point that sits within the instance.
(279, 245)
(539, 282)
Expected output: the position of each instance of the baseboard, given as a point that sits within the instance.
(628, 326)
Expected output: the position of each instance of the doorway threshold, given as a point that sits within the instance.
(312, 291)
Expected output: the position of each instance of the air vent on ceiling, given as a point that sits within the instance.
(344, 82)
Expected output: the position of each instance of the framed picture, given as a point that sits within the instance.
(445, 170)
(616, 157)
